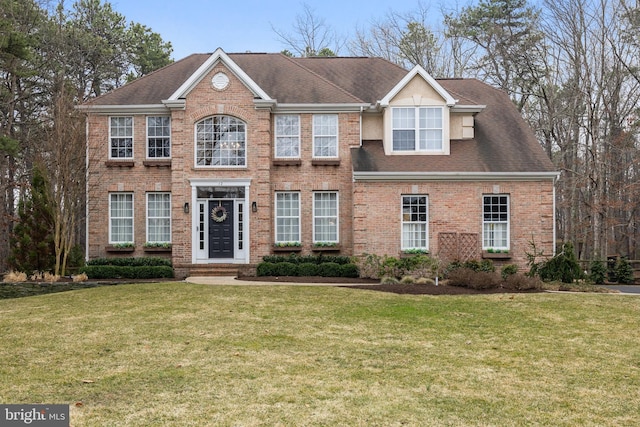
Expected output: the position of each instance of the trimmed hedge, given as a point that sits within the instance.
(127, 272)
(132, 261)
(307, 259)
(325, 269)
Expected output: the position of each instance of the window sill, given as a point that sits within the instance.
(495, 255)
(287, 248)
(335, 248)
(286, 162)
(325, 162)
(111, 248)
(120, 163)
(154, 249)
(157, 163)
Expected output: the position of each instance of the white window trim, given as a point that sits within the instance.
(508, 223)
(337, 135)
(147, 138)
(403, 222)
(133, 142)
(337, 216)
(276, 136)
(275, 216)
(148, 217)
(195, 145)
(416, 129)
(133, 217)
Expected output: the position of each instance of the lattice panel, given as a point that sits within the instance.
(468, 246)
(448, 246)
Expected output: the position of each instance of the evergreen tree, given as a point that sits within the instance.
(624, 271)
(32, 239)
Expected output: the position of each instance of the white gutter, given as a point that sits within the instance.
(124, 109)
(322, 108)
(454, 176)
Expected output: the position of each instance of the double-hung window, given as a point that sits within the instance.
(495, 221)
(415, 222)
(221, 141)
(287, 136)
(121, 218)
(159, 217)
(325, 135)
(417, 129)
(287, 217)
(121, 137)
(325, 217)
(158, 137)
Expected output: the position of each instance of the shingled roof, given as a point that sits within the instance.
(503, 142)
(332, 80)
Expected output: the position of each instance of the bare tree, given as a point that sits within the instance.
(311, 36)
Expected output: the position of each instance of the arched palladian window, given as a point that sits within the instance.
(221, 141)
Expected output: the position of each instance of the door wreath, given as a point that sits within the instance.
(219, 213)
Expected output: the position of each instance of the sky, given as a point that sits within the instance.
(201, 26)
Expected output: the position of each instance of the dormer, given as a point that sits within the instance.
(420, 117)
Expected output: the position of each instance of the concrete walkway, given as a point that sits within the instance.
(230, 280)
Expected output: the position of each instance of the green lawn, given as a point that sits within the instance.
(193, 355)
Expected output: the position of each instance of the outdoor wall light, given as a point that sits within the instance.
(254, 207)
(185, 208)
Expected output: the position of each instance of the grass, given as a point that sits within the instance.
(195, 355)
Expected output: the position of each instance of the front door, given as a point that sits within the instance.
(221, 229)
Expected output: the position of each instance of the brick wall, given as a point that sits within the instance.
(454, 207)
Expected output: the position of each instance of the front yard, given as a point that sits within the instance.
(195, 355)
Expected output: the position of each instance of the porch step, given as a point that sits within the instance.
(216, 270)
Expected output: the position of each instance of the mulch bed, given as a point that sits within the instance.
(374, 285)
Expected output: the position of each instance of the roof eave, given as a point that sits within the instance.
(320, 108)
(124, 109)
(455, 176)
(474, 109)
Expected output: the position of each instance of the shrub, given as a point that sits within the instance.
(460, 276)
(79, 278)
(598, 271)
(522, 282)
(265, 269)
(349, 270)
(131, 261)
(368, 265)
(390, 266)
(308, 269)
(508, 270)
(50, 278)
(389, 280)
(563, 267)
(425, 281)
(468, 278)
(624, 271)
(285, 269)
(329, 269)
(408, 280)
(127, 272)
(302, 259)
(14, 277)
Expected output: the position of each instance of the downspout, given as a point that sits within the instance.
(86, 189)
(554, 216)
(361, 111)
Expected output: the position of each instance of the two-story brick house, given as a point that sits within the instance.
(226, 158)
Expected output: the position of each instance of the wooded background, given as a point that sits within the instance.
(572, 68)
